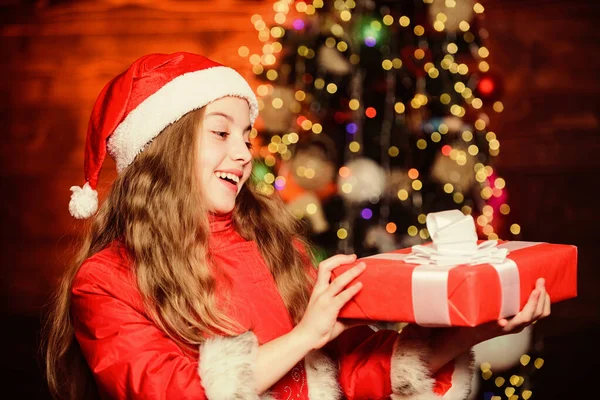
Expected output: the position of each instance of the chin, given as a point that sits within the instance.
(222, 208)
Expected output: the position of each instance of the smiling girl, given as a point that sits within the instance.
(191, 284)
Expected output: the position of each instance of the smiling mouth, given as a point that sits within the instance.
(231, 178)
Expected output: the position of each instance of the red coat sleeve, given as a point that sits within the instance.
(128, 355)
(379, 364)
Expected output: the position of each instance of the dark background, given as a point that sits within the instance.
(57, 55)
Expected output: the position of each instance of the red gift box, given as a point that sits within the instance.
(474, 295)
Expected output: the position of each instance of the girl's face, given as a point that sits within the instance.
(224, 157)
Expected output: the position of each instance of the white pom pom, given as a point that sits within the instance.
(84, 201)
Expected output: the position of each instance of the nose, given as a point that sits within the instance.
(240, 151)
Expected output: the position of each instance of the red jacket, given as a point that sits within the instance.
(130, 357)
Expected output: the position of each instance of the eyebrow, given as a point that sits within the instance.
(228, 117)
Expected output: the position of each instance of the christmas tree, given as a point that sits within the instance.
(374, 114)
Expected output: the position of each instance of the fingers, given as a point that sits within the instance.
(344, 279)
(346, 295)
(546, 306)
(326, 266)
(541, 304)
(526, 314)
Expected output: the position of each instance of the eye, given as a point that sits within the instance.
(249, 145)
(221, 134)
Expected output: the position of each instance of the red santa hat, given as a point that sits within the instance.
(134, 107)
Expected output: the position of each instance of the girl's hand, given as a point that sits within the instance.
(537, 307)
(320, 324)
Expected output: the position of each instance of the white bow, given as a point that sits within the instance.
(455, 242)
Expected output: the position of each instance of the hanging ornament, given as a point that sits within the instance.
(456, 167)
(377, 237)
(363, 180)
(451, 17)
(308, 206)
(277, 114)
(489, 87)
(333, 61)
(312, 165)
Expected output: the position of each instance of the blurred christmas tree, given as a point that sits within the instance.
(376, 113)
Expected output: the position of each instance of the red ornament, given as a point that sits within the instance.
(489, 87)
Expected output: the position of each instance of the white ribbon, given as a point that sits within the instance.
(454, 243)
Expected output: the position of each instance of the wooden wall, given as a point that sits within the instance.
(57, 55)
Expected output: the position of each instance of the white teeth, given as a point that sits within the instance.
(232, 177)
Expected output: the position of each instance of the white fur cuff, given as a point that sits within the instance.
(226, 367)
(411, 379)
(410, 374)
(322, 377)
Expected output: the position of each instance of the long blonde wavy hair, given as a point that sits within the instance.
(155, 208)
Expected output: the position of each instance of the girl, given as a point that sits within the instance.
(191, 284)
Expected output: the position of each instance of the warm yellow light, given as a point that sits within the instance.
(417, 184)
(515, 229)
(342, 233)
(448, 188)
(277, 103)
(300, 95)
(473, 150)
(317, 128)
(387, 64)
(458, 197)
(342, 46)
(439, 26)
(332, 88)
(404, 21)
(397, 63)
(467, 136)
(311, 208)
(345, 15)
(402, 194)
(464, 26)
(478, 8)
(419, 30)
(422, 218)
(354, 104)
(412, 230)
(354, 147)
(452, 48)
(393, 151)
(445, 98)
(337, 30)
(388, 20)
(422, 144)
(484, 66)
(505, 209)
(272, 74)
(498, 106)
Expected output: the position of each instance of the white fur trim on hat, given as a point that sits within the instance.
(181, 95)
(84, 201)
